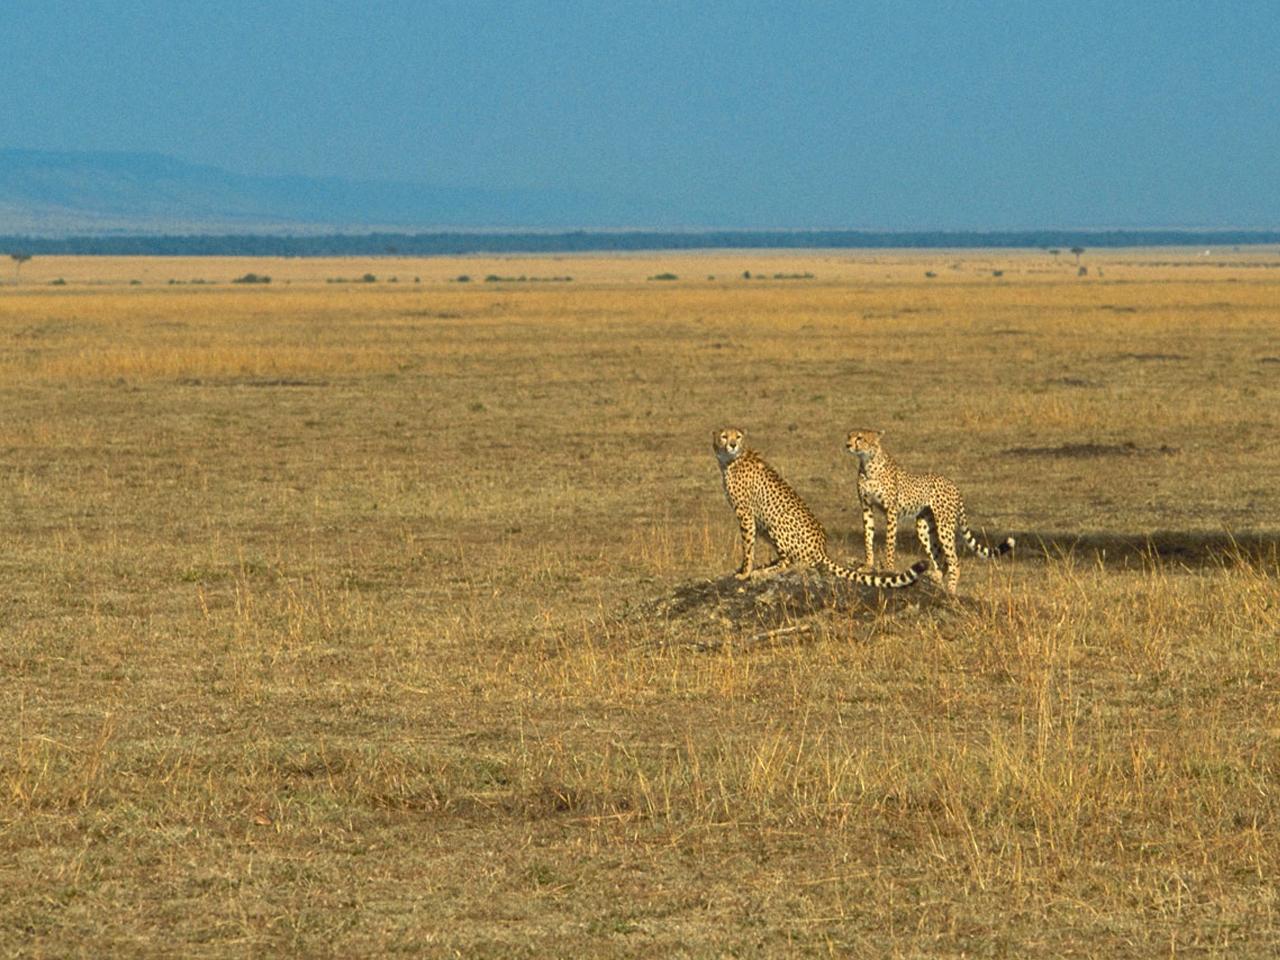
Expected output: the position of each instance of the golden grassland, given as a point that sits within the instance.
(374, 618)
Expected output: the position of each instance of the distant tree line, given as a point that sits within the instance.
(582, 241)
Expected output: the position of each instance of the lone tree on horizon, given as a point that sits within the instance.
(1077, 251)
(18, 259)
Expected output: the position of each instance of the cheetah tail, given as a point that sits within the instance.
(881, 581)
(982, 550)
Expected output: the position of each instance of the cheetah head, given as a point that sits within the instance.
(863, 444)
(728, 443)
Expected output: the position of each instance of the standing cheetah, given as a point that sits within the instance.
(925, 497)
(764, 503)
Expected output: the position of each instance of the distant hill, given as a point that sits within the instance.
(58, 194)
(144, 203)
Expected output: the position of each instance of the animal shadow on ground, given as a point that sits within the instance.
(1071, 451)
(708, 614)
(1188, 548)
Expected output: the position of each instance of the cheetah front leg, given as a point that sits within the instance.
(890, 531)
(868, 529)
(747, 527)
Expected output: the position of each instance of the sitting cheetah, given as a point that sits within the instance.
(763, 502)
(923, 496)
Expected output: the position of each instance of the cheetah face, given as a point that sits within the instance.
(863, 444)
(728, 444)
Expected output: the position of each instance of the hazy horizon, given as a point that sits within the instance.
(935, 116)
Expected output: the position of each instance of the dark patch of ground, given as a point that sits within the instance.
(1188, 548)
(256, 382)
(894, 314)
(1152, 356)
(1126, 449)
(282, 382)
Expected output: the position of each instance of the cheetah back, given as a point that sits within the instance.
(918, 492)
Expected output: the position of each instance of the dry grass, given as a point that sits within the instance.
(364, 619)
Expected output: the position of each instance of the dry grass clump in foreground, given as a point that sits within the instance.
(379, 621)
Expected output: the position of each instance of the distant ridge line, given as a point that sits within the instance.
(446, 243)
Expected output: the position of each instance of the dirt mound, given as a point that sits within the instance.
(710, 613)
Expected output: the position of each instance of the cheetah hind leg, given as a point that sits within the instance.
(946, 532)
(925, 533)
(775, 566)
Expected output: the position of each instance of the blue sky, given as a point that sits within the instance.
(889, 115)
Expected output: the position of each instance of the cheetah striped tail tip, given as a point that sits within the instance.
(988, 553)
(904, 579)
(894, 581)
(885, 581)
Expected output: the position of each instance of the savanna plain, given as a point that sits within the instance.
(396, 615)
